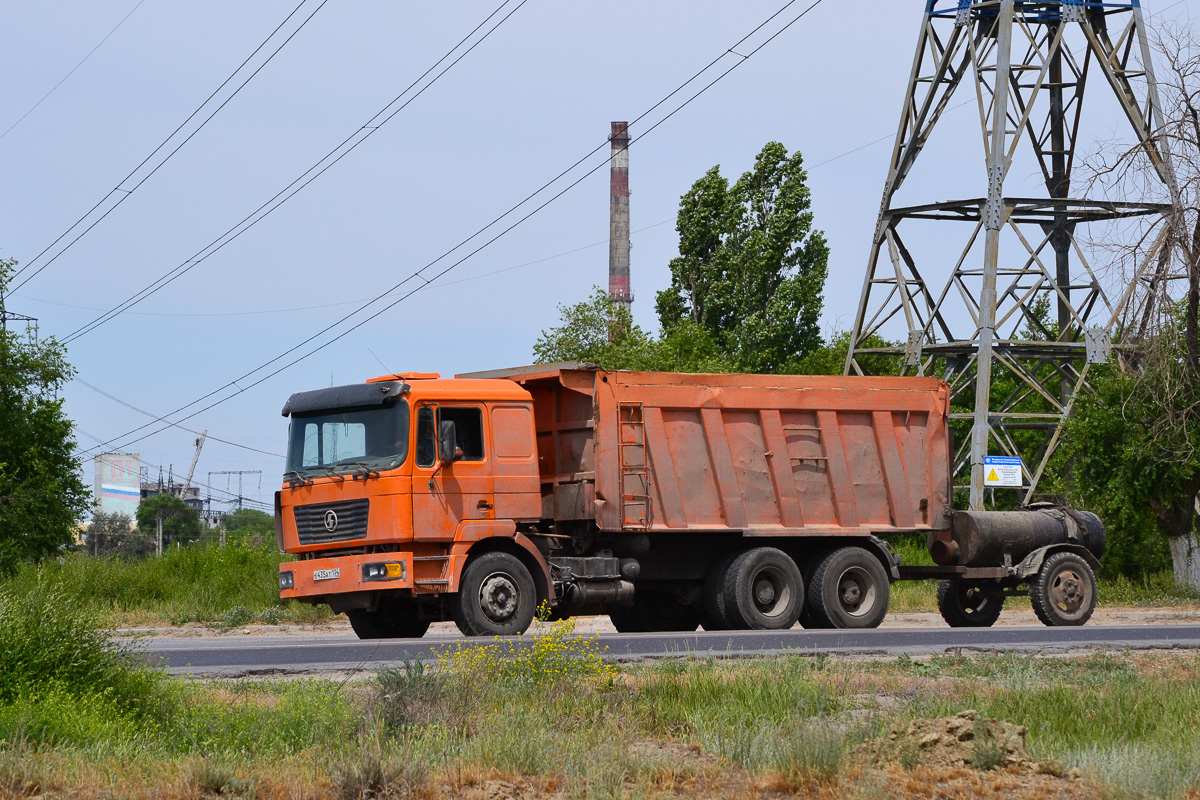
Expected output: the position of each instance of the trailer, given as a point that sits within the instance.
(666, 501)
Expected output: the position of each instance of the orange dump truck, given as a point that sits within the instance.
(667, 501)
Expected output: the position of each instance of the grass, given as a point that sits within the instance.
(557, 719)
(223, 586)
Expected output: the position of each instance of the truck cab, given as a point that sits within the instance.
(392, 484)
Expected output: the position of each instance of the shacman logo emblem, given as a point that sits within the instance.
(330, 521)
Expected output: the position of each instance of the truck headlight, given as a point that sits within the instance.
(383, 572)
(287, 580)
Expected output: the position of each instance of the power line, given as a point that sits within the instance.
(542, 260)
(742, 58)
(347, 145)
(143, 412)
(72, 72)
(123, 194)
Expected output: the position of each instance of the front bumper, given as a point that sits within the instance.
(311, 579)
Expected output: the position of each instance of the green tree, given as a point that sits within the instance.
(113, 535)
(1127, 471)
(751, 268)
(830, 357)
(599, 331)
(42, 493)
(181, 523)
(250, 526)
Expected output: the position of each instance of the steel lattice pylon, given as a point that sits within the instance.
(978, 308)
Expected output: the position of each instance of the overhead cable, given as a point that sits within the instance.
(63, 80)
(418, 275)
(347, 145)
(122, 194)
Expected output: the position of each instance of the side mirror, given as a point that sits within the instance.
(447, 442)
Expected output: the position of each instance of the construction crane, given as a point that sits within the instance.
(192, 469)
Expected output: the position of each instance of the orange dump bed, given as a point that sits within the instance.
(761, 454)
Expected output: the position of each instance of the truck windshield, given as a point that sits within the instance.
(349, 439)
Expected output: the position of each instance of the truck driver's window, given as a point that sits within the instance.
(426, 445)
(468, 428)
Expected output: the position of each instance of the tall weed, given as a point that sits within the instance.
(50, 647)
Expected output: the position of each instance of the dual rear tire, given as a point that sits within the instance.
(764, 589)
(847, 588)
(757, 589)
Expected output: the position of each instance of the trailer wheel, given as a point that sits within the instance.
(655, 611)
(391, 623)
(715, 617)
(763, 590)
(968, 605)
(1064, 590)
(849, 589)
(496, 597)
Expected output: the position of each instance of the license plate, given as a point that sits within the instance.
(326, 574)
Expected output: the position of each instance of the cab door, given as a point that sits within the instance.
(462, 489)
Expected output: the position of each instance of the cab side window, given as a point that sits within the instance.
(468, 429)
(426, 444)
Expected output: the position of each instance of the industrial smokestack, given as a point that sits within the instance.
(618, 217)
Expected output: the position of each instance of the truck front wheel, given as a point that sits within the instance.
(496, 597)
(849, 589)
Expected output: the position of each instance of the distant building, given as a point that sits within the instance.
(117, 483)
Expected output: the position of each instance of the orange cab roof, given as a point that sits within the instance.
(407, 376)
(468, 389)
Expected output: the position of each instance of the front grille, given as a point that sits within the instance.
(351, 516)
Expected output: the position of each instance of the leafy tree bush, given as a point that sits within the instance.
(113, 535)
(1129, 470)
(181, 523)
(250, 526)
(599, 331)
(42, 493)
(745, 290)
(751, 269)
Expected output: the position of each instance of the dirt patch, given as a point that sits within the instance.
(962, 783)
(964, 740)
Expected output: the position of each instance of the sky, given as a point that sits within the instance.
(531, 99)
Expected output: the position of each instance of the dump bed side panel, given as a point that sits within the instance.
(766, 455)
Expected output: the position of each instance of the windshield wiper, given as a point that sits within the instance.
(363, 466)
(295, 477)
(333, 473)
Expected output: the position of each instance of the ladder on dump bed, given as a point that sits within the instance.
(635, 476)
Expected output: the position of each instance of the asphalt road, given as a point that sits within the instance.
(280, 655)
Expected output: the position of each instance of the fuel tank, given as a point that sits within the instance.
(982, 538)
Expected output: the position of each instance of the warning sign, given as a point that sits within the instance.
(1001, 471)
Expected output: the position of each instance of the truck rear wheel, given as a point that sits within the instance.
(387, 623)
(968, 605)
(1064, 590)
(849, 589)
(763, 590)
(496, 597)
